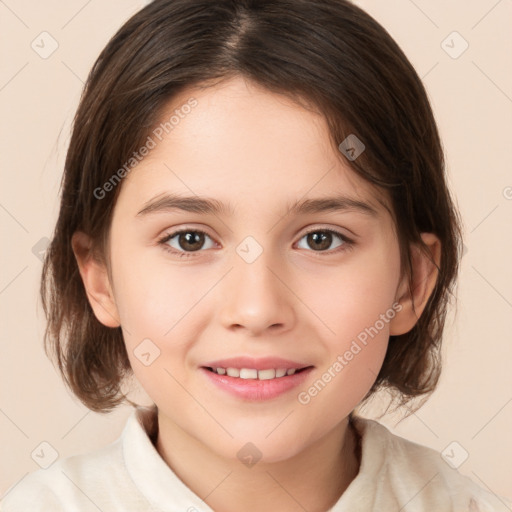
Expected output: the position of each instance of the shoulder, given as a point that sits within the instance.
(91, 481)
(411, 473)
(59, 487)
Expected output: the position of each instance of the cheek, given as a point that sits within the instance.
(160, 307)
(155, 306)
(349, 370)
(357, 305)
(155, 299)
(352, 297)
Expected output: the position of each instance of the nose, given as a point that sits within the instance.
(257, 296)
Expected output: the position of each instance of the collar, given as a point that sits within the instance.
(164, 490)
(150, 473)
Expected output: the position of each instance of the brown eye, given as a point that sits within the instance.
(190, 240)
(321, 240)
(186, 241)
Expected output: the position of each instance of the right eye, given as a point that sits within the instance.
(184, 242)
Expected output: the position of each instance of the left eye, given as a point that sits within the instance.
(321, 239)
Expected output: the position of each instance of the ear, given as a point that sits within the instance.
(424, 276)
(96, 281)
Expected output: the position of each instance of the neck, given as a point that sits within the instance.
(312, 480)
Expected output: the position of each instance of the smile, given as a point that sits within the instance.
(256, 380)
(252, 373)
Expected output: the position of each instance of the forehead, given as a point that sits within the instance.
(240, 142)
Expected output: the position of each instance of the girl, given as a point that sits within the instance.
(255, 222)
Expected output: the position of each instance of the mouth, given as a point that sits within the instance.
(254, 374)
(255, 379)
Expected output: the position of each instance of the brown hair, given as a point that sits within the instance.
(327, 53)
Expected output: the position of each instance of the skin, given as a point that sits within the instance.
(258, 151)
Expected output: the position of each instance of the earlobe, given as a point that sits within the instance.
(424, 277)
(96, 281)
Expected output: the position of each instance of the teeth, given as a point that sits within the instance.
(266, 374)
(251, 373)
(248, 374)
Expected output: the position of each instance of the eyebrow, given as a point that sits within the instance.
(205, 205)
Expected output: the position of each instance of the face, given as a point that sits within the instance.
(253, 285)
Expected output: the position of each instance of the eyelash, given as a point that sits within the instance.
(347, 245)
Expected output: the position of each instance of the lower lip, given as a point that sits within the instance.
(255, 389)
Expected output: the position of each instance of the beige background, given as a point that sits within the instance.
(472, 99)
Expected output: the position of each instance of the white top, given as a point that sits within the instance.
(130, 475)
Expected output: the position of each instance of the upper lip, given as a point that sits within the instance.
(263, 363)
